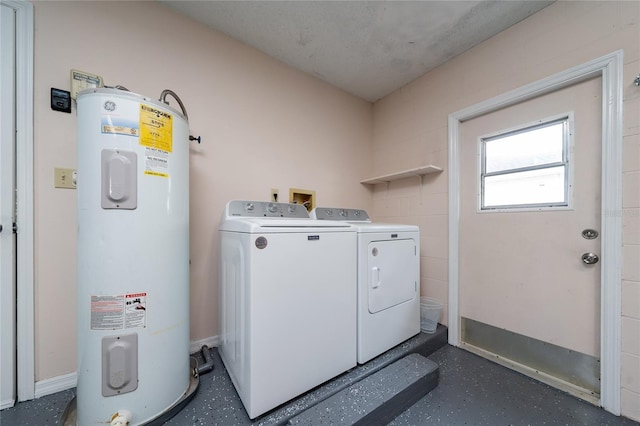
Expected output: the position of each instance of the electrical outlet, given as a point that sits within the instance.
(64, 178)
(274, 195)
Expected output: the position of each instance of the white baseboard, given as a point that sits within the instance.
(196, 345)
(68, 381)
(7, 403)
(56, 384)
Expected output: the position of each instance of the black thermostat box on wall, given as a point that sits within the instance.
(60, 100)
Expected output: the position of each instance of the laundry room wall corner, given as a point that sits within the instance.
(262, 125)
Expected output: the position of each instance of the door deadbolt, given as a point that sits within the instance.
(590, 234)
(590, 258)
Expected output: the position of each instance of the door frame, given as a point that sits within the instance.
(7, 202)
(25, 358)
(610, 68)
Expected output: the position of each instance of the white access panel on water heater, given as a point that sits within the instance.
(133, 257)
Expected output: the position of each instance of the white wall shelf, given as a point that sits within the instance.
(418, 171)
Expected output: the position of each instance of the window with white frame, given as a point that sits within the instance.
(526, 168)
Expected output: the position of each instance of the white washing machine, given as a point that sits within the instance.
(287, 301)
(388, 280)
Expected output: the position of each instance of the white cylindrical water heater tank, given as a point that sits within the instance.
(133, 257)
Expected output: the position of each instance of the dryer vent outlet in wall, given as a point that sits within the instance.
(305, 197)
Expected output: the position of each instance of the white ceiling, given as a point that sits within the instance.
(367, 48)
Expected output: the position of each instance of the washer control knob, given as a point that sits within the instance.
(292, 208)
(272, 208)
(249, 207)
(329, 212)
(357, 213)
(343, 213)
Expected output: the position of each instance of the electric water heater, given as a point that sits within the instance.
(133, 258)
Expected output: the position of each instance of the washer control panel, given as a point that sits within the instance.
(329, 213)
(240, 208)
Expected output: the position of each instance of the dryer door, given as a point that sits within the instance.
(393, 268)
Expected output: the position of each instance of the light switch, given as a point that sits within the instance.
(64, 178)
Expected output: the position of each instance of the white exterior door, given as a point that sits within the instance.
(7, 210)
(523, 282)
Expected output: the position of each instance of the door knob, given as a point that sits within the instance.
(590, 258)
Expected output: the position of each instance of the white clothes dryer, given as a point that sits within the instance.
(388, 280)
(287, 301)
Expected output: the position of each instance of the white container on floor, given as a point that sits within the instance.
(430, 310)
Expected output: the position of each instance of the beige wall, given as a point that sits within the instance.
(263, 125)
(410, 129)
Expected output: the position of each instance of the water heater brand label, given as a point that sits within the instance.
(118, 312)
(156, 128)
(119, 126)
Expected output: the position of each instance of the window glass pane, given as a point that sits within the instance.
(529, 148)
(531, 187)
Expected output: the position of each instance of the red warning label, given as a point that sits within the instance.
(135, 310)
(118, 312)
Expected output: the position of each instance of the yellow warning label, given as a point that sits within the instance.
(156, 128)
(150, 173)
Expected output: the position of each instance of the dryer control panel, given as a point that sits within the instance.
(238, 208)
(329, 213)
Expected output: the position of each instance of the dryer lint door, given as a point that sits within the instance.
(393, 268)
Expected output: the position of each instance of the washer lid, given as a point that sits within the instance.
(280, 225)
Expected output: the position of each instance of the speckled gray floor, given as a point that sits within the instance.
(472, 391)
(378, 398)
(475, 391)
